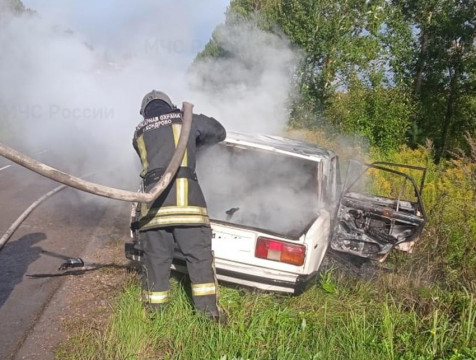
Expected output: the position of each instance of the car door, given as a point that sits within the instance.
(379, 210)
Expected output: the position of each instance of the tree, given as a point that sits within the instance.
(443, 68)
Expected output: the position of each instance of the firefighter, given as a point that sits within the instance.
(179, 216)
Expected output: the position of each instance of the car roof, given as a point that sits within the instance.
(279, 144)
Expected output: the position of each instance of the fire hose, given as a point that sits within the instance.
(97, 189)
(16, 224)
(5, 237)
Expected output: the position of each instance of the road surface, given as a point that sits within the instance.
(60, 228)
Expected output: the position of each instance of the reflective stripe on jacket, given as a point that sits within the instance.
(155, 140)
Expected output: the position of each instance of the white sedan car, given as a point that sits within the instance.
(277, 206)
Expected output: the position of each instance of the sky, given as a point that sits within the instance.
(123, 26)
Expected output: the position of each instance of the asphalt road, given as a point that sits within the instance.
(58, 229)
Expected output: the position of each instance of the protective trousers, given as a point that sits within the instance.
(195, 244)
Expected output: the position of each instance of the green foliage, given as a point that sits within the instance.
(341, 40)
(14, 5)
(212, 49)
(382, 115)
(444, 69)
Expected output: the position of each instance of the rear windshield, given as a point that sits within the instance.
(259, 189)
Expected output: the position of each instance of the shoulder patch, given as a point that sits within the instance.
(157, 122)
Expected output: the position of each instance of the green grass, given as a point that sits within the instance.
(354, 320)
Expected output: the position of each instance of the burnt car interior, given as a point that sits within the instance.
(254, 188)
(369, 225)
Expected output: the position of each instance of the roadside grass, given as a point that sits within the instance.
(339, 317)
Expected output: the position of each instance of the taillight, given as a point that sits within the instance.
(272, 249)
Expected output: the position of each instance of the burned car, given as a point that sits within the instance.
(277, 205)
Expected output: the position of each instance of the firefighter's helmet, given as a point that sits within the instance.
(155, 95)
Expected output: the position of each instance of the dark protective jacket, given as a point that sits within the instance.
(155, 140)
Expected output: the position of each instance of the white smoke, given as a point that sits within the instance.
(265, 190)
(250, 87)
(248, 90)
(73, 75)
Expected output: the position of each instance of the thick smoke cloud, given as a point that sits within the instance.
(249, 88)
(71, 83)
(260, 189)
(73, 74)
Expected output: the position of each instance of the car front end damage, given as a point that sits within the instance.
(370, 226)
